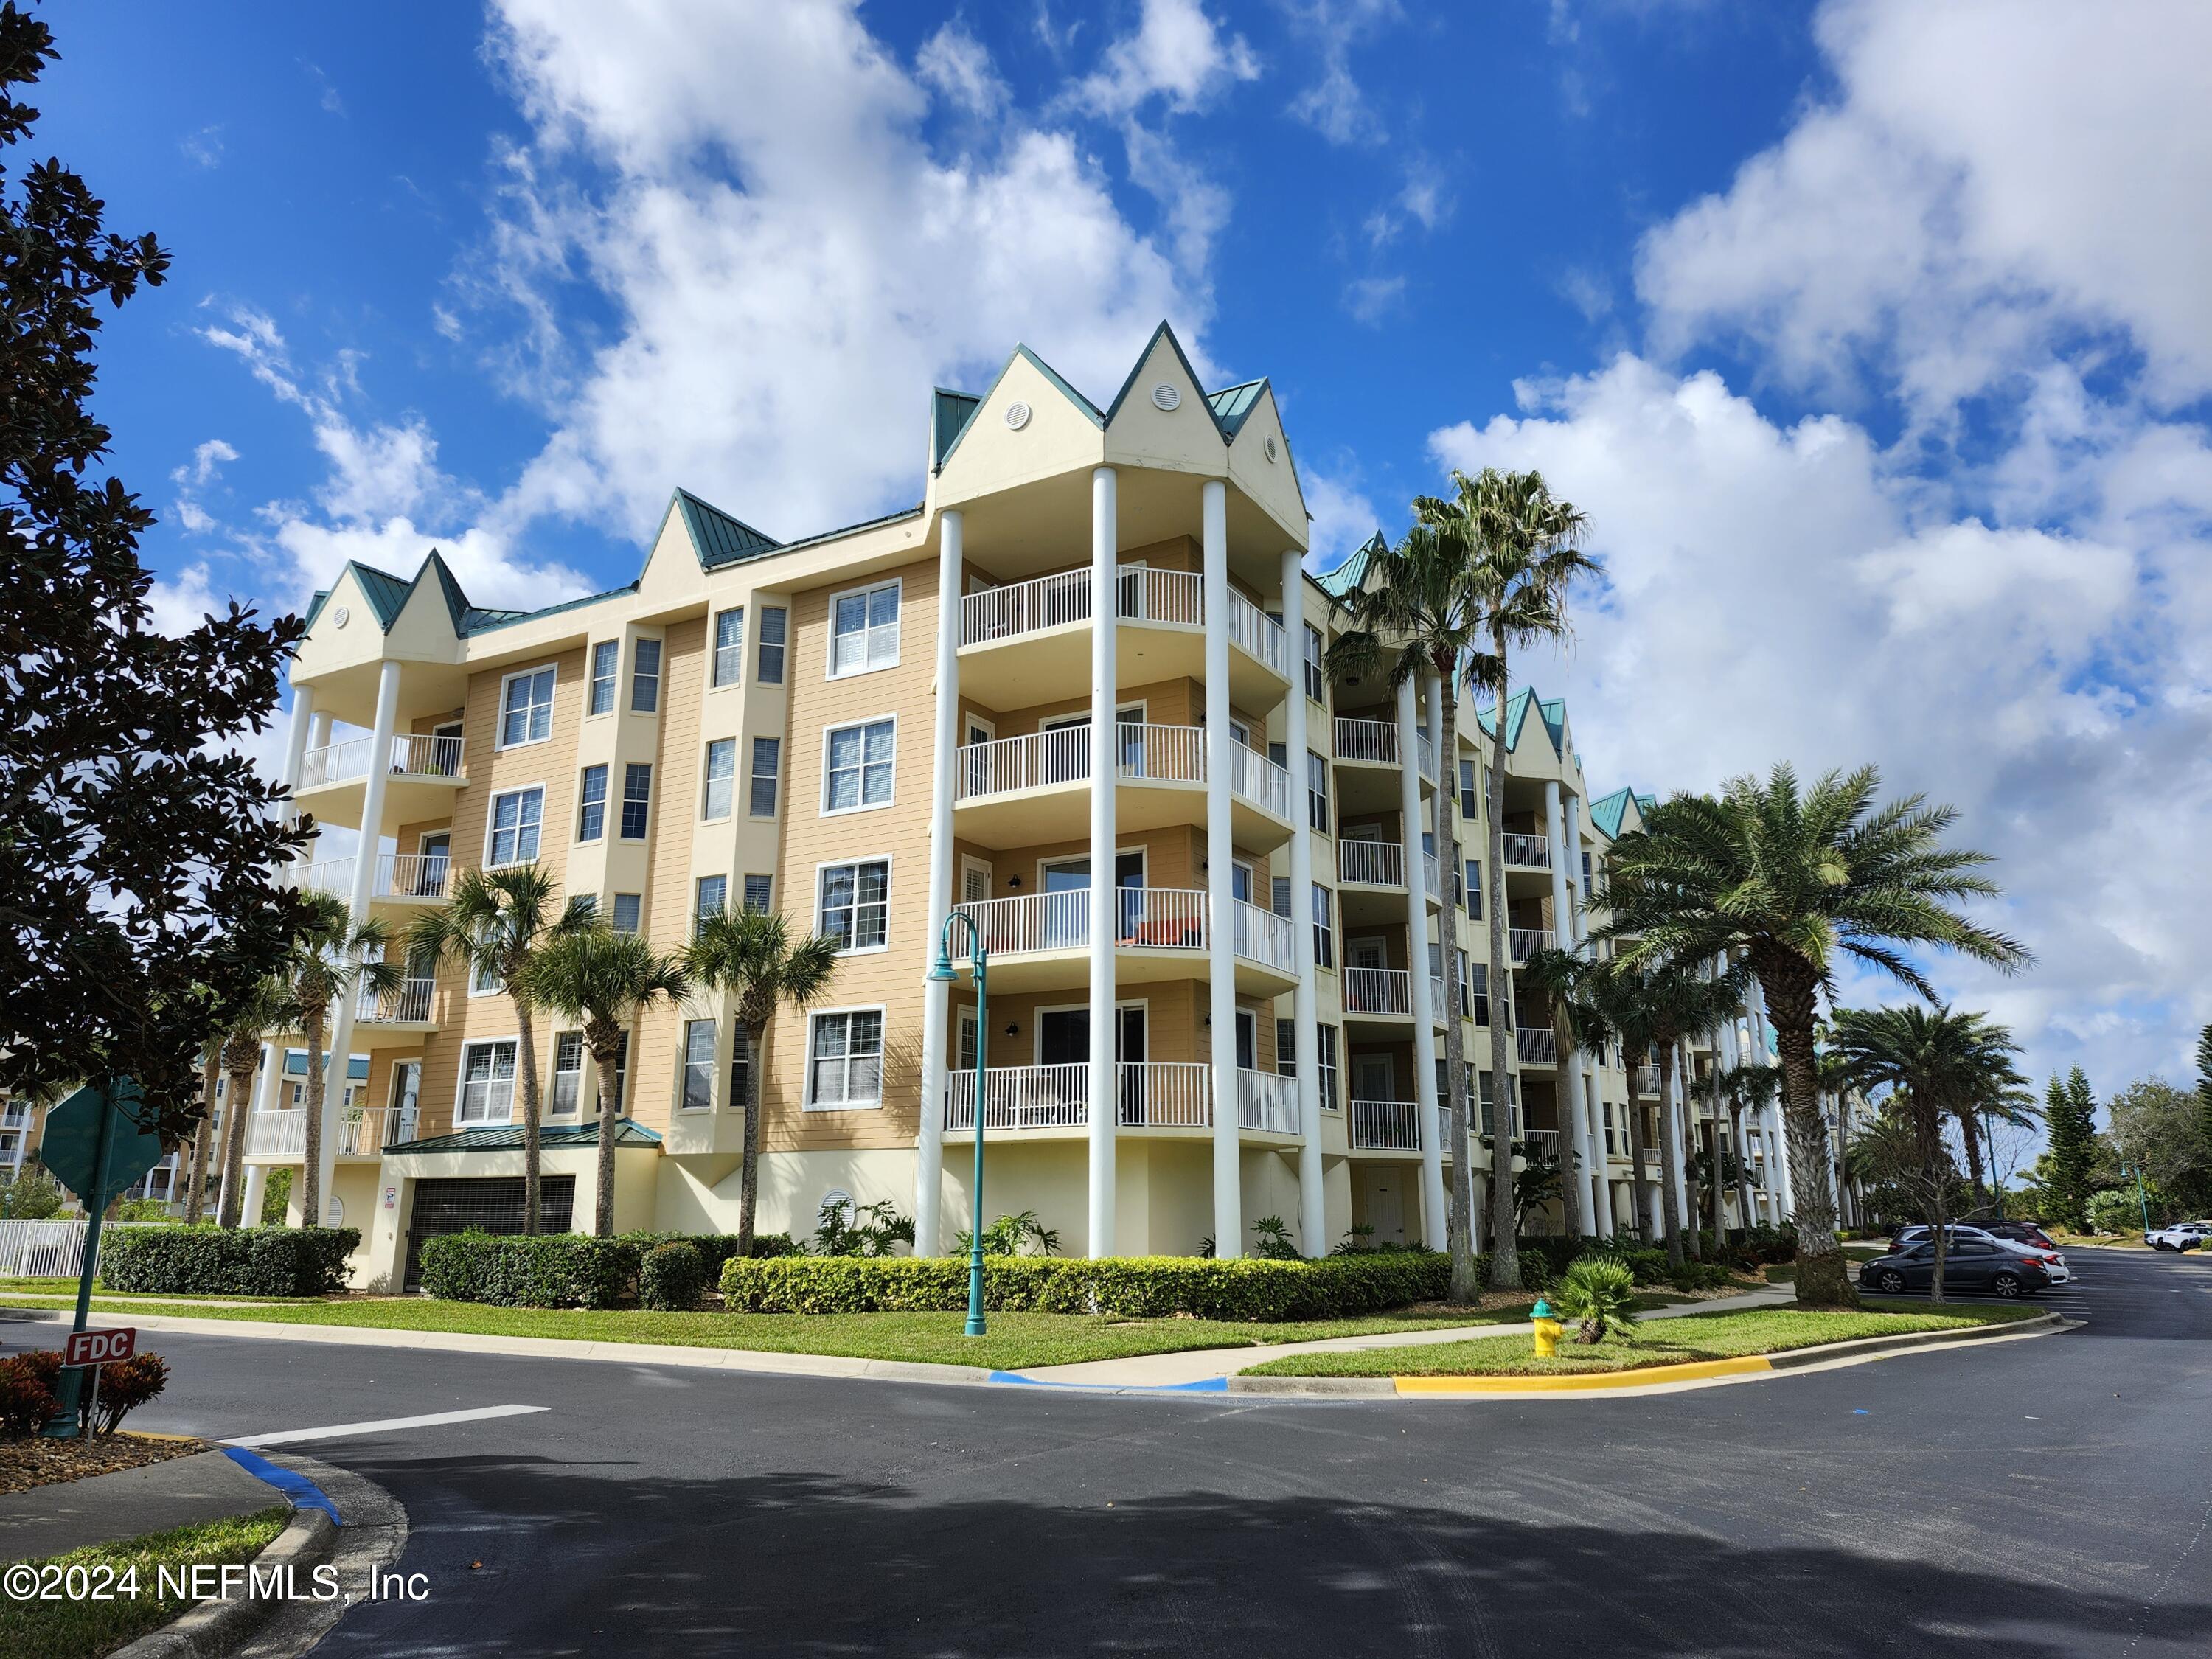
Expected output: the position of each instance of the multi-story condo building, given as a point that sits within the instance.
(1079, 694)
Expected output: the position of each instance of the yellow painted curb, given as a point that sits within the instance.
(1579, 1381)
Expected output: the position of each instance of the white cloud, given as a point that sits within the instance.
(1370, 299)
(1343, 516)
(1177, 54)
(203, 147)
(953, 64)
(1336, 106)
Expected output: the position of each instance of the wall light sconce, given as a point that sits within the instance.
(1012, 1029)
(1013, 883)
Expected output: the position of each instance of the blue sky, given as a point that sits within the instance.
(1874, 336)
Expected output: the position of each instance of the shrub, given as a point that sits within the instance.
(127, 1384)
(1009, 1235)
(1698, 1276)
(1139, 1287)
(843, 1228)
(31, 1194)
(2115, 1210)
(542, 1270)
(672, 1276)
(1599, 1291)
(1769, 1246)
(26, 1396)
(142, 1210)
(217, 1261)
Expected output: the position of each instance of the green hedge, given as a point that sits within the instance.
(564, 1270)
(1138, 1287)
(227, 1262)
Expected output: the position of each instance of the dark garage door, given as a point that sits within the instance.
(483, 1204)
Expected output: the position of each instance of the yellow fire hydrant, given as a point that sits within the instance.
(1548, 1330)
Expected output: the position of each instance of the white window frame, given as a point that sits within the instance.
(969, 865)
(657, 678)
(593, 679)
(854, 864)
(699, 895)
(583, 775)
(499, 733)
(860, 726)
(814, 1019)
(461, 1082)
(716, 678)
(707, 813)
(614, 914)
(574, 1109)
(897, 585)
(686, 1065)
(491, 824)
(622, 826)
(763, 643)
(481, 984)
(753, 776)
(767, 902)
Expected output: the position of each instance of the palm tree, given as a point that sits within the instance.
(751, 954)
(196, 1192)
(1563, 979)
(1794, 881)
(1526, 554)
(332, 956)
(1944, 1063)
(265, 1009)
(493, 924)
(604, 981)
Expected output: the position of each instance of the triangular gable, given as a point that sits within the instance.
(1610, 811)
(1182, 360)
(949, 414)
(1232, 404)
(1343, 581)
(449, 588)
(1554, 713)
(1022, 354)
(717, 538)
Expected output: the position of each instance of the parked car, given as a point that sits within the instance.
(2182, 1235)
(1969, 1264)
(2019, 1232)
(2054, 1263)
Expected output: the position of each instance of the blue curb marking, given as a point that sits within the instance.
(304, 1493)
(1204, 1385)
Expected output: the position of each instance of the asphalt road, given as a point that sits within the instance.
(2046, 1496)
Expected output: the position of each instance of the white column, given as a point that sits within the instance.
(257, 1182)
(1677, 1133)
(1433, 1214)
(1566, 932)
(1312, 1220)
(1590, 1105)
(1105, 754)
(295, 741)
(1220, 851)
(936, 994)
(335, 1064)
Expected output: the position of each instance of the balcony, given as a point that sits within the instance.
(1148, 1094)
(405, 878)
(1043, 940)
(360, 1132)
(1538, 1046)
(395, 1018)
(1386, 1126)
(1647, 1081)
(424, 772)
(1527, 852)
(1015, 641)
(1541, 1143)
(1381, 865)
(1033, 788)
(1386, 994)
(1525, 942)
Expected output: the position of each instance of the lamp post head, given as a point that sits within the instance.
(941, 970)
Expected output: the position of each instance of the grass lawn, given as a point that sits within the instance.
(1017, 1341)
(1660, 1342)
(65, 1290)
(76, 1630)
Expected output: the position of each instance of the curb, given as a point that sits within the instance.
(349, 1522)
(1704, 1373)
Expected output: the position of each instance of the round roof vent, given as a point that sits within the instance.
(342, 615)
(1165, 397)
(1017, 416)
(1271, 449)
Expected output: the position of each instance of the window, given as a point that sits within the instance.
(707, 901)
(628, 911)
(483, 979)
(1317, 682)
(773, 619)
(1474, 889)
(1470, 797)
(486, 1083)
(864, 630)
(637, 799)
(592, 805)
(729, 646)
(515, 817)
(698, 1064)
(1280, 895)
(525, 702)
(645, 677)
(1586, 875)
(1287, 1049)
(768, 755)
(741, 1064)
(855, 907)
(860, 771)
(1324, 929)
(846, 1060)
(568, 1074)
(1477, 990)
(1329, 1101)
(721, 778)
(606, 659)
(1316, 792)
(1488, 1094)
(757, 891)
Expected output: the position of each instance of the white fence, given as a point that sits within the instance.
(1525, 942)
(1161, 596)
(1528, 852)
(360, 1131)
(1366, 741)
(1266, 1102)
(1160, 754)
(1161, 918)
(46, 1250)
(1370, 863)
(412, 755)
(398, 875)
(1060, 755)
(1263, 937)
(1539, 1047)
(1377, 991)
(1386, 1126)
(1260, 780)
(1257, 634)
(407, 1003)
(1147, 1094)
(1034, 921)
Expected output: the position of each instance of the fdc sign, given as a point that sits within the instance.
(100, 1347)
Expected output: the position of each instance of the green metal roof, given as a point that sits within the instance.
(1346, 577)
(1608, 813)
(552, 1137)
(1232, 404)
(387, 595)
(719, 538)
(295, 1065)
(949, 414)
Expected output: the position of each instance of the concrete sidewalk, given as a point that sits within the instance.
(67, 1514)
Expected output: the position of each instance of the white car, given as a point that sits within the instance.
(2182, 1235)
(2054, 1264)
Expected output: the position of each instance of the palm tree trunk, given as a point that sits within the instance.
(311, 1144)
(1742, 1165)
(1670, 1198)
(1641, 1199)
(1720, 1194)
(525, 1064)
(1504, 1261)
(1790, 985)
(1974, 1158)
(196, 1194)
(1464, 1287)
(1564, 1100)
(233, 1138)
(749, 1170)
(604, 1057)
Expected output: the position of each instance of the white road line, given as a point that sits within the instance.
(384, 1426)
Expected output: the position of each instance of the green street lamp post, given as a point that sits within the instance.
(943, 971)
(2142, 1197)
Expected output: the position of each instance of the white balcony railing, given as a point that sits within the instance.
(1528, 851)
(1263, 937)
(1257, 634)
(1160, 754)
(1525, 942)
(1431, 875)
(1143, 595)
(407, 1003)
(1165, 1094)
(1034, 921)
(1425, 747)
(1267, 1102)
(360, 1132)
(1377, 991)
(1258, 780)
(1541, 1143)
(398, 875)
(1366, 741)
(1161, 918)
(1150, 595)
(413, 754)
(1538, 1046)
(1386, 1126)
(1371, 863)
(1006, 765)
(1021, 1098)
(1647, 1081)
